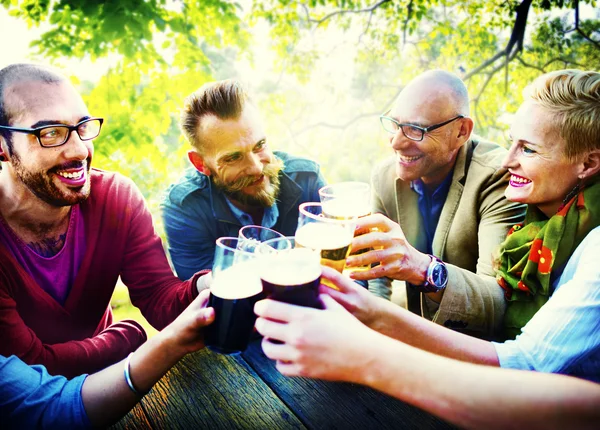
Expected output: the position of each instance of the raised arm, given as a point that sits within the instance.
(68, 358)
(330, 344)
(33, 398)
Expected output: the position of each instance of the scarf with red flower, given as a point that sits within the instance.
(533, 249)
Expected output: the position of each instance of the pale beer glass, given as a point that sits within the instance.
(250, 236)
(347, 200)
(235, 288)
(331, 236)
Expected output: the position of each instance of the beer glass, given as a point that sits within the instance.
(235, 288)
(329, 235)
(251, 236)
(345, 200)
(289, 273)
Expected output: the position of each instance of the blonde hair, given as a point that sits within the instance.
(573, 99)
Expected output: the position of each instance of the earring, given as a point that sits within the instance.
(572, 193)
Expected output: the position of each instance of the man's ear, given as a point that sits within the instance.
(3, 149)
(198, 162)
(590, 165)
(466, 128)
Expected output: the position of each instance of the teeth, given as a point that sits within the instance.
(74, 175)
(519, 180)
(408, 159)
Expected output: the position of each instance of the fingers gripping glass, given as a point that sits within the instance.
(411, 131)
(57, 134)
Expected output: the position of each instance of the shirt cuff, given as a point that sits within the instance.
(510, 357)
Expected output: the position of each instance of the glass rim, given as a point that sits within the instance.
(349, 220)
(220, 243)
(325, 191)
(262, 228)
(263, 245)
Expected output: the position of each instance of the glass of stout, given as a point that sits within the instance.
(235, 288)
(290, 273)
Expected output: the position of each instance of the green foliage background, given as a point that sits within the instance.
(321, 70)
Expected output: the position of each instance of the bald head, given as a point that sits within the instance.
(444, 90)
(15, 74)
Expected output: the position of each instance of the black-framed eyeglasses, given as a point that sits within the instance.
(411, 131)
(50, 136)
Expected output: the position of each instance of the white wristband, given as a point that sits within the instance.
(128, 377)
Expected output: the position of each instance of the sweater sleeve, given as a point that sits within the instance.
(153, 287)
(69, 358)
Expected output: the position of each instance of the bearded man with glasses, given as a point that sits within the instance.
(68, 232)
(439, 209)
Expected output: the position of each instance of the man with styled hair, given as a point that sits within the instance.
(236, 178)
(68, 232)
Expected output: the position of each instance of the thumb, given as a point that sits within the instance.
(205, 317)
(203, 297)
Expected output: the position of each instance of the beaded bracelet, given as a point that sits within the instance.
(126, 371)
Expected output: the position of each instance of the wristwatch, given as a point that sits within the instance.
(436, 278)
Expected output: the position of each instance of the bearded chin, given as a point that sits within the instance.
(266, 197)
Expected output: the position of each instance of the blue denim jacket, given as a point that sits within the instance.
(196, 214)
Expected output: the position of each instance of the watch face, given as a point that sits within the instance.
(439, 274)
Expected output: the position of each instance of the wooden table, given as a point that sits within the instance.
(212, 391)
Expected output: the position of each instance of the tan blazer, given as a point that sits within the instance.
(474, 221)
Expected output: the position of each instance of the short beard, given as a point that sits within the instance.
(40, 183)
(266, 197)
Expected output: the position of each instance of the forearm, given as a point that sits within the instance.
(475, 396)
(398, 323)
(106, 395)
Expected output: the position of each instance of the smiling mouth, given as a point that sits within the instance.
(405, 159)
(70, 175)
(258, 181)
(518, 181)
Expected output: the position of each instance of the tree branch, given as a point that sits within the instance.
(366, 28)
(515, 43)
(579, 30)
(345, 11)
(349, 122)
(531, 66)
(408, 17)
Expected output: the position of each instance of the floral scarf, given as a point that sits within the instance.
(532, 250)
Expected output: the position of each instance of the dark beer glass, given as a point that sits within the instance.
(290, 274)
(234, 290)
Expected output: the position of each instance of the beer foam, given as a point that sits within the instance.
(291, 267)
(237, 282)
(344, 208)
(323, 235)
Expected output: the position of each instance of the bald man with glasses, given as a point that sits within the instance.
(439, 209)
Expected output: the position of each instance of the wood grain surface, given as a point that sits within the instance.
(336, 405)
(211, 391)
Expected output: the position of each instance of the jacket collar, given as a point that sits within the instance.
(409, 217)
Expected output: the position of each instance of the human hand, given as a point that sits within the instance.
(204, 282)
(185, 332)
(397, 258)
(353, 297)
(325, 344)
